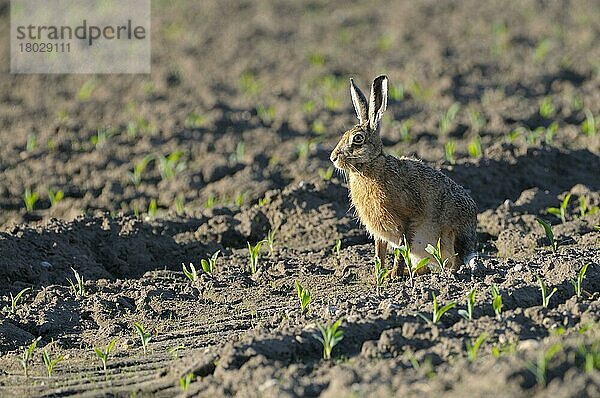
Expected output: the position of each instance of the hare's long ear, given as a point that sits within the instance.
(360, 103)
(378, 101)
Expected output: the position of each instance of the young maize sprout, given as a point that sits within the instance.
(144, 336)
(579, 281)
(544, 290)
(103, 354)
(28, 355)
(468, 314)
(330, 336)
(191, 274)
(380, 273)
(413, 269)
(304, 295)
(210, 265)
(437, 312)
(50, 363)
(254, 255)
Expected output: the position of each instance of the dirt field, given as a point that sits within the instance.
(229, 138)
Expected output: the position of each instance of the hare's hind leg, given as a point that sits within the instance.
(423, 235)
(381, 250)
(448, 250)
(398, 268)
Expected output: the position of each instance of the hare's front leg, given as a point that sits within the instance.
(398, 268)
(381, 250)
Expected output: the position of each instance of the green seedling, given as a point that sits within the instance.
(316, 59)
(473, 346)
(254, 255)
(425, 367)
(185, 381)
(55, 196)
(270, 241)
(175, 351)
(437, 312)
(144, 336)
(330, 337)
(337, 248)
(475, 150)
(396, 92)
(263, 201)
(16, 299)
(304, 295)
(266, 114)
(210, 202)
(590, 356)
(447, 119)
(499, 349)
(477, 120)
(240, 199)
(194, 121)
(104, 354)
(179, 205)
(102, 136)
(331, 103)
(51, 363)
(589, 126)
(209, 265)
(549, 234)
(436, 252)
(579, 281)
(547, 108)
(139, 168)
(542, 49)
(326, 174)
(303, 149)
(30, 198)
(77, 287)
(544, 290)
(549, 132)
(140, 126)
(27, 355)
(32, 142)
(561, 211)
(584, 209)
(380, 273)
(405, 127)
(171, 165)
(449, 149)
(309, 107)
(191, 274)
(318, 127)
(239, 154)
(540, 368)
(496, 301)
(249, 84)
(86, 90)
(404, 251)
(577, 103)
(152, 208)
(468, 314)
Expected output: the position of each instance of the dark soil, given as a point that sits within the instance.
(251, 97)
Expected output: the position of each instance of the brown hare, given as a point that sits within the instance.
(402, 198)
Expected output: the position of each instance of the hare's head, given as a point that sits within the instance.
(362, 143)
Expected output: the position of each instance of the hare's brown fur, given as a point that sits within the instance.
(396, 198)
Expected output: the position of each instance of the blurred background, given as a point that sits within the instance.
(249, 96)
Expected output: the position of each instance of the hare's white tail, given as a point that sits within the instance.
(471, 259)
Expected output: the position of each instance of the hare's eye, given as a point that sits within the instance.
(358, 139)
